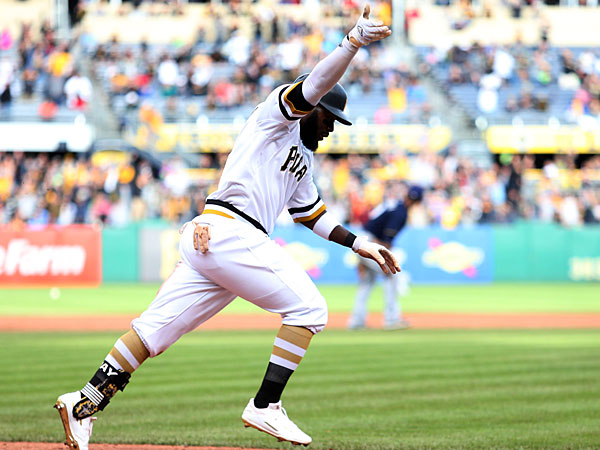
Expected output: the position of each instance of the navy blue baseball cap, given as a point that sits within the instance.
(415, 193)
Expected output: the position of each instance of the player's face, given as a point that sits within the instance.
(315, 127)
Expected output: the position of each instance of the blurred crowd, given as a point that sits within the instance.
(240, 56)
(458, 192)
(236, 59)
(530, 75)
(37, 65)
(228, 65)
(42, 189)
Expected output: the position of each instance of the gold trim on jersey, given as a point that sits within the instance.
(312, 216)
(290, 104)
(218, 213)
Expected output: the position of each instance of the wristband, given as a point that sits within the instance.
(349, 241)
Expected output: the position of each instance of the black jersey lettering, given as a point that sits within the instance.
(301, 172)
(293, 155)
(293, 161)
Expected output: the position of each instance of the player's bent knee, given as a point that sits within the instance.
(154, 342)
(316, 328)
(312, 317)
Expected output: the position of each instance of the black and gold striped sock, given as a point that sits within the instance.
(289, 348)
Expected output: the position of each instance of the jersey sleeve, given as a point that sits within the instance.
(306, 204)
(286, 104)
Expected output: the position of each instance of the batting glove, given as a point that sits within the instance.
(201, 235)
(366, 31)
(386, 259)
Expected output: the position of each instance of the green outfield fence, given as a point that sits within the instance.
(546, 252)
(515, 252)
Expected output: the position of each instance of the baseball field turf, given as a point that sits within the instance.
(354, 390)
(498, 297)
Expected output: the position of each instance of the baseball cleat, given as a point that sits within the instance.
(398, 325)
(273, 420)
(77, 432)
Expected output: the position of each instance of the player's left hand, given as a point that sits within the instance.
(201, 235)
(381, 255)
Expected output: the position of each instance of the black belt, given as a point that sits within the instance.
(230, 207)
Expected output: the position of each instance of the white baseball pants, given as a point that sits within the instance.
(242, 261)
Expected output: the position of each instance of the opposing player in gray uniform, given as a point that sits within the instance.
(269, 169)
(386, 221)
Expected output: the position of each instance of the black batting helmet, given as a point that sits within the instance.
(334, 101)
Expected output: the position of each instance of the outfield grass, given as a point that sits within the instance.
(497, 297)
(361, 390)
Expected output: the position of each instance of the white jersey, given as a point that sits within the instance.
(269, 168)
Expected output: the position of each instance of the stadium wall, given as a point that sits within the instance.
(120, 254)
(86, 255)
(479, 254)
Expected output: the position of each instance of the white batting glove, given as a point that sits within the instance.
(381, 255)
(366, 31)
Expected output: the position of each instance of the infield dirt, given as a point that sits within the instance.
(336, 321)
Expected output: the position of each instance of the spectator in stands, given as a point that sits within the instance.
(78, 91)
(58, 67)
(41, 215)
(168, 75)
(487, 97)
(7, 74)
(591, 206)
(237, 48)
(569, 214)
(504, 64)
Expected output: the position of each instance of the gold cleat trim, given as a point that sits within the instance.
(64, 417)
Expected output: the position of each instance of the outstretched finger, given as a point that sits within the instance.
(204, 241)
(384, 268)
(375, 23)
(377, 256)
(391, 261)
(183, 227)
(195, 239)
(379, 33)
(366, 11)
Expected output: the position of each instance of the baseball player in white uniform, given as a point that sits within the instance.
(269, 169)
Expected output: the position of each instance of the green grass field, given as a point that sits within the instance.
(499, 297)
(434, 389)
(373, 390)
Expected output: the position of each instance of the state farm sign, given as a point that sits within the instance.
(51, 256)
